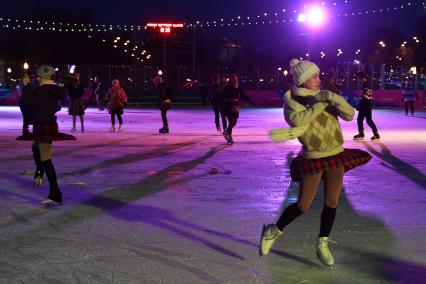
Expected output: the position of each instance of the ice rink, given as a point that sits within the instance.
(184, 207)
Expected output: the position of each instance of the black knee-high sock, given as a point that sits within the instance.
(288, 216)
(37, 160)
(327, 220)
(54, 193)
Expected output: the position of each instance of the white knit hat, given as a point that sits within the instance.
(302, 70)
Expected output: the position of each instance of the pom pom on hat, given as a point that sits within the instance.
(302, 70)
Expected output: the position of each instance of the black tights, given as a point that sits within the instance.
(120, 120)
(366, 112)
(232, 122)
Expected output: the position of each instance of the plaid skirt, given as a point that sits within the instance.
(348, 159)
(46, 132)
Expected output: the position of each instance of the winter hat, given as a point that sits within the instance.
(157, 80)
(302, 70)
(45, 71)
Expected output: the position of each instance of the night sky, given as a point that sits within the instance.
(343, 32)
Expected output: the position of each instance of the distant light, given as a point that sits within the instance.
(301, 18)
(279, 68)
(9, 70)
(160, 72)
(413, 70)
(285, 72)
(26, 66)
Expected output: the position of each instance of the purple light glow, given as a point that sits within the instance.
(316, 16)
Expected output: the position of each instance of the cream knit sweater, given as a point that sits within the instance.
(320, 133)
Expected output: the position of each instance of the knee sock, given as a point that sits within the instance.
(288, 216)
(54, 193)
(327, 220)
(37, 160)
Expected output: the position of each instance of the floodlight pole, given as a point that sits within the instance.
(308, 34)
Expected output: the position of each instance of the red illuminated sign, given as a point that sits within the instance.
(164, 27)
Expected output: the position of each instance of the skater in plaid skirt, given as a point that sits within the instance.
(42, 105)
(313, 117)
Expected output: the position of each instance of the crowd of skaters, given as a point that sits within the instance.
(310, 109)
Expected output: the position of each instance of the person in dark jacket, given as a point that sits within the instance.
(42, 106)
(164, 101)
(76, 107)
(26, 91)
(365, 108)
(409, 96)
(215, 98)
(232, 94)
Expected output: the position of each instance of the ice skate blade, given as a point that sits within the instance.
(260, 242)
(49, 202)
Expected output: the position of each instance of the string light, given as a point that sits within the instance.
(37, 25)
(284, 16)
(340, 52)
(287, 16)
(127, 48)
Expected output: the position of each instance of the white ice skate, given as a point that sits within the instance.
(270, 234)
(323, 252)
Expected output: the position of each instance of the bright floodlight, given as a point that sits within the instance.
(316, 16)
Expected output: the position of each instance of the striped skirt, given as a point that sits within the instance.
(348, 159)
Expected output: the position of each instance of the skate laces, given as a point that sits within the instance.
(326, 242)
(271, 233)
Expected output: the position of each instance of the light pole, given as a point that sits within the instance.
(313, 18)
(278, 77)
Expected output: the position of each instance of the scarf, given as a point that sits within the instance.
(296, 99)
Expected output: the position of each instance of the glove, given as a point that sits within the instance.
(324, 96)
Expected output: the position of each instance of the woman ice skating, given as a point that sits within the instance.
(232, 94)
(313, 115)
(117, 99)
(365, 110)
(164, 101)
(76, 106)
(42, 107)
